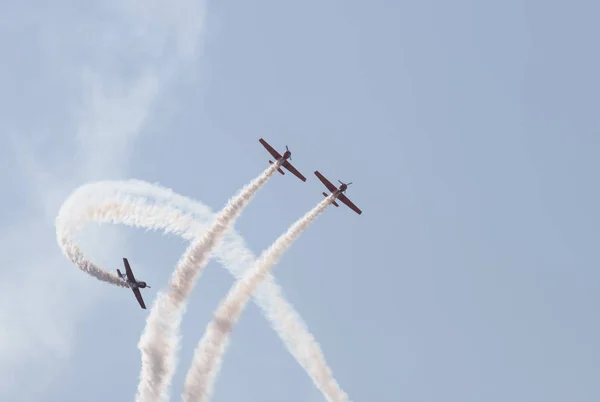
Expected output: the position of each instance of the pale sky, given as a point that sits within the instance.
(470, 132)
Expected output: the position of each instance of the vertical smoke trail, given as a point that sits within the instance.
(207, 356)
(160, 339)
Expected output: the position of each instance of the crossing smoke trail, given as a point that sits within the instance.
(141, 204)
(160, 339)
(207, 356)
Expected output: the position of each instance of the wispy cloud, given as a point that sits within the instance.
(105, 65)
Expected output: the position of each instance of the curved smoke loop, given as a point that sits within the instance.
(143, 205)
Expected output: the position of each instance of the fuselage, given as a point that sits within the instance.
(340, 190)
(134, 284)
(286, 155)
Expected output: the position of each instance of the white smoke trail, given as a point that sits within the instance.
(141, 204)
(160, 339)
(208, 355)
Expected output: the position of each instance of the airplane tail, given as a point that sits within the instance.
(278, 169)
(333, 202)
(120, 274)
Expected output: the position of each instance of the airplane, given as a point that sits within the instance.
(134, 284)
(287, 155)
(338, 192)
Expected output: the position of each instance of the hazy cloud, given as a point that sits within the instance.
(99, 69)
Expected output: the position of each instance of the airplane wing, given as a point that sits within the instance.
(292, 169)
(128, 270)
(327, 183)
(138, 296)
(272, 151)
(349, 203)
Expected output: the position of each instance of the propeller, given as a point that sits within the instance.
(347, 184)
(287, 149)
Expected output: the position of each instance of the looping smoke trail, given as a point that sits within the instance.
(160, 339)
(141, 204)
(208, 354)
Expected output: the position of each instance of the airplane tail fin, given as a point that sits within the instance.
(333, 202)
(279, 169)
(120, 274)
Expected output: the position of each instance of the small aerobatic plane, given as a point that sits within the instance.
(287, 155)
(134, 284)
(338, 192)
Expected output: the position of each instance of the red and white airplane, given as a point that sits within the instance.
(286, 155)
(134, 284)
(338, 192)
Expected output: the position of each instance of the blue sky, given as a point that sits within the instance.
(469, 130)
